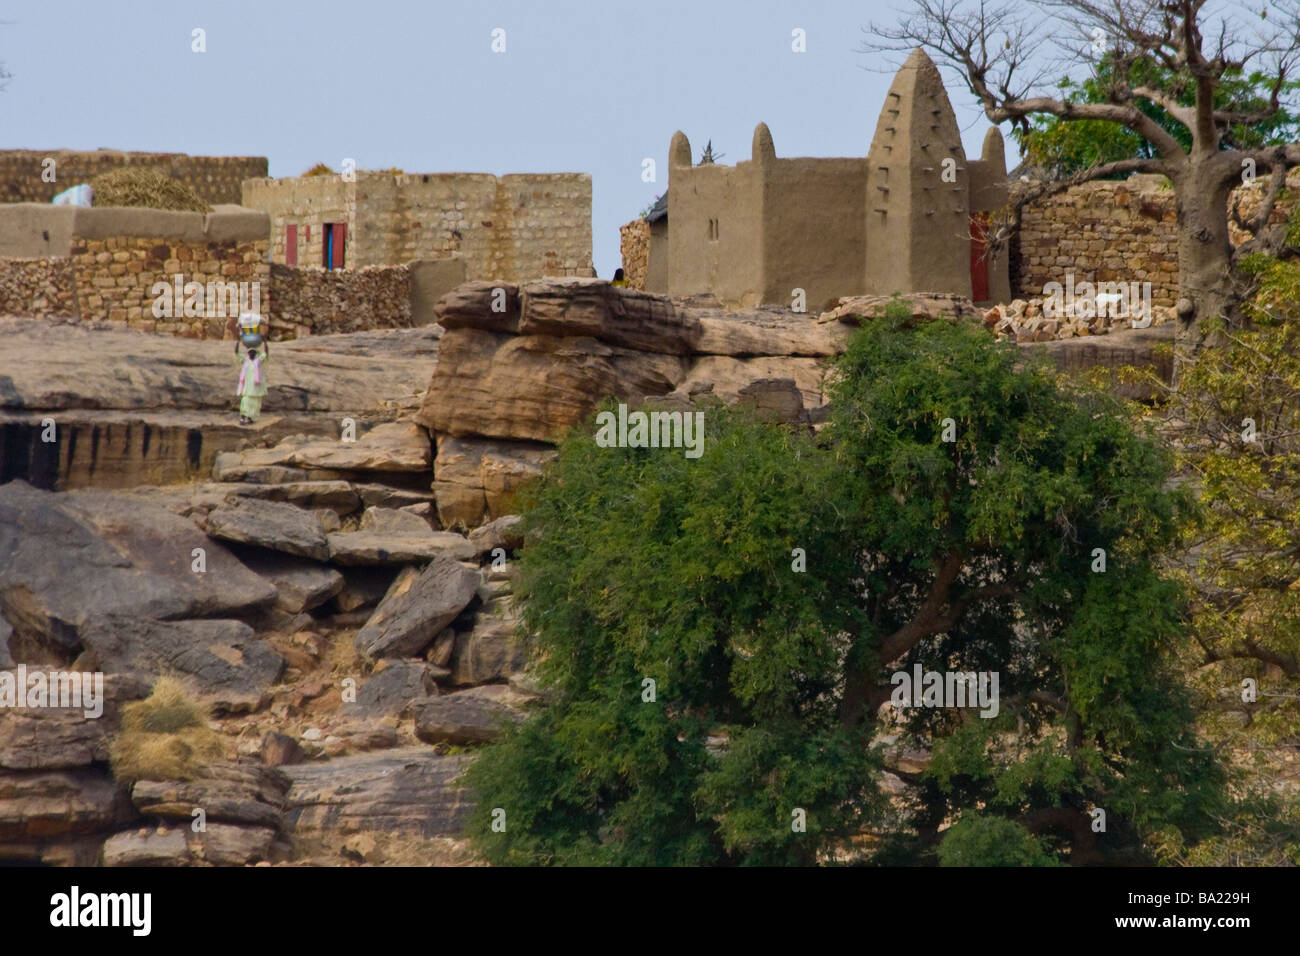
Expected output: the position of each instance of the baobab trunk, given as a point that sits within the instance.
(1205, 283)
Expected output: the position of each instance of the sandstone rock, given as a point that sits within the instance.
(6, 632)
(299, 585)
(38, 806)
(278, 750)
(63, 556)
(270, 524)
(380, 547)
(1137, 347)
(389, 520)
(592, 307)
(470, 306)
(408, 790)
(769, 331)
(383, 496)
(477, 478)
(534, 386)
(439, 652)
(244, 794)
(491, 651)
(392, 446)
(232, 467)
(364, 586)
(62, 738)
(136, 408)
(64, 366)
(499, 533)
(466, 717)
(226, 662)
(392, 690)
(417, 607)
(730, 376)
(147, 848)
(775, 399)
(925, 306)
(218, 845)
(224, 845)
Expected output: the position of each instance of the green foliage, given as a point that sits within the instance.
(1064, 146)
(977, 840)
(973, 554)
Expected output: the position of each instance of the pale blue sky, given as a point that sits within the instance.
(583, 86)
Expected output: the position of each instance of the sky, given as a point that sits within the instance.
(582, 86)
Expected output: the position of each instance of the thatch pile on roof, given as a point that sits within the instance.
(143, 186)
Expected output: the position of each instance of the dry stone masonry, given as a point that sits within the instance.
(24, 175)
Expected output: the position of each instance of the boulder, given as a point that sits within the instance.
(392, 690)
(224, 660)
(160, 847)
(406, 790)
(51, 738)
(404, 547)
(389, 520)
(775, 399)
(471, 716)
(392, 446)
(270, 524)
(470, 306)
(501, 532)
(65, 555)
(619, 316)
(244, 794)
(534, 386)
(492, 651)
(219, 844)
(365, 586)
(299, 585)
(478, 478)
(38, 806)
(418, 606)
(278, 750)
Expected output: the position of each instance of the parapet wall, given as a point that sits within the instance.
(216, 179)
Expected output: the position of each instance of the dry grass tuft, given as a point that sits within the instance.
(164, 737)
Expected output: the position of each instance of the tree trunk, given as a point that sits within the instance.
(1205, 283)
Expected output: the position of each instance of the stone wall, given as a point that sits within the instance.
(1102, 232)
(217, 179)
(634, 244)
(118, 280)
(42, 287)
(511, 227)
(1115, 232)
(317, 301)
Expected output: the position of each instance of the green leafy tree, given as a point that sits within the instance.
(950, 515)
(1235, 424)
(1066, 148)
